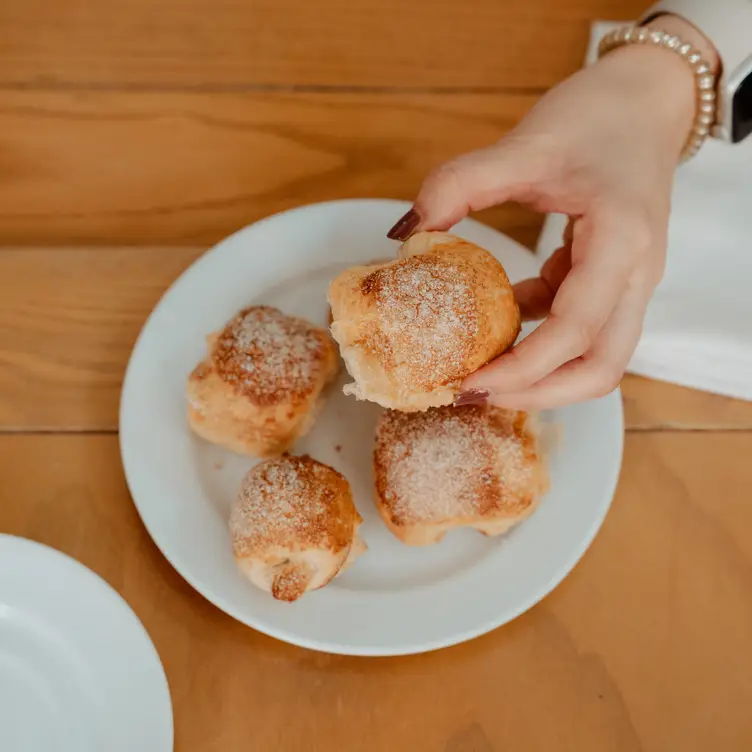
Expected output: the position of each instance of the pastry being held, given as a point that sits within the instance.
(261, 384)
(294, 526)
(375, 262)
(411, 330)
(475, 466)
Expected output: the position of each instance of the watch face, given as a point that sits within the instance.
(741, 126)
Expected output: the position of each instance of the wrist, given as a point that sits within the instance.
(692, 115)
(661, 89)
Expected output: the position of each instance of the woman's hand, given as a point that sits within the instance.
(602, 148)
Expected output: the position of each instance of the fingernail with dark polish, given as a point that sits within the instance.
(472, 397)
(405, 227)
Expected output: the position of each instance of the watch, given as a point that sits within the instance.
(728, 25)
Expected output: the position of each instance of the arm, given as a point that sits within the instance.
(601, 147)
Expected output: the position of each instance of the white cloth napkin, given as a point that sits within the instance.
(698, 330)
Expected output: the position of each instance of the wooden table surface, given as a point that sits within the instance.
(135, 134)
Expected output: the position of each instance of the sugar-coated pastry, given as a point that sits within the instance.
(411, 330)
(261, 384)
(294, 526)
(450, 467)
(380, 262)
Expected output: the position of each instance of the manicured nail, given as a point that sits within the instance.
(472, 397)
(405, 227)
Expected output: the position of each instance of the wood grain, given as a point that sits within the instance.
(135, 134)
(191, 168)
(69, 318)
(644, 647)
(252, 43)
(653, 405)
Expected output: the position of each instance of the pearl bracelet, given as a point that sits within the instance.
(705, 112)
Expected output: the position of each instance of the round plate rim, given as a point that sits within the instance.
(10, 541)
(338, 647)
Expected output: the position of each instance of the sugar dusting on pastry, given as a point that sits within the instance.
(264, 354)
(294, 526)
(412, 330)
(287, 499)
(261, 383)
(427, 320)
(453, 464)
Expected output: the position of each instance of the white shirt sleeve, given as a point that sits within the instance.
(726, 23)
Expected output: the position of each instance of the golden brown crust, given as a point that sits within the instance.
(270, 357)
(426, 307)
(262, 382)
(294, 526)
(454, 467)
(378, 262)
(293, 502)
(291, 580)
(412, 330)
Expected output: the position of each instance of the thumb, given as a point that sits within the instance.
(468, 183)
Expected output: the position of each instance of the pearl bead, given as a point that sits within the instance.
(705, 80)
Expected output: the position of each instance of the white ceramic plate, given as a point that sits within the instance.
(78, 672)
(395, 599)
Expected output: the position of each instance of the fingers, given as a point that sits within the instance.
(536, 296)
(473, 181)
(595, 374)
(584, 302)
